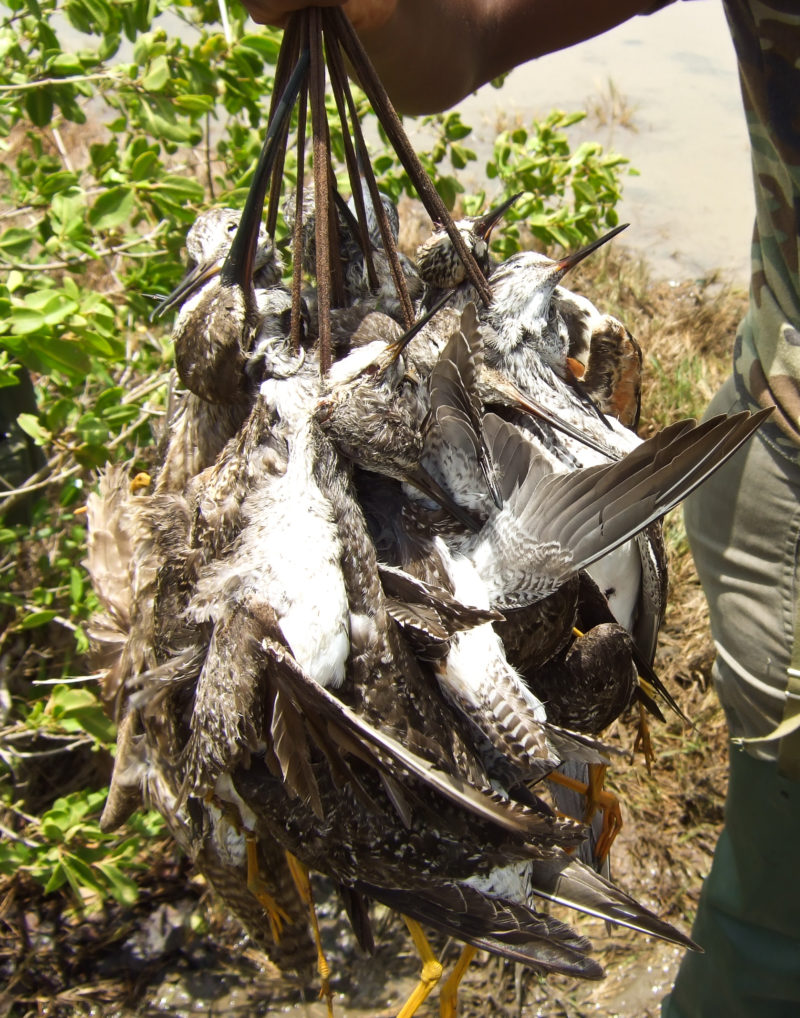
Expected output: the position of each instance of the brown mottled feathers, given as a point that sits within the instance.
(613, 376)
(196, 434)
(210, 344)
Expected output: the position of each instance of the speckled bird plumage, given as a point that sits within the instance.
(343, 622)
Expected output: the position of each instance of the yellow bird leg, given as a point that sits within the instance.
(259, 889)
(448, 997)
(300, 877)
(561, 779)
(594, 790)
(642, 741)
(647, 687)
(140, 481)
(599, 798)
(596, 797)
(577, 632)
(431, 969)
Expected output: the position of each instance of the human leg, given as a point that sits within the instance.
(744, 525)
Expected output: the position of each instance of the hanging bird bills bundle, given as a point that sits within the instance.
(399, 568)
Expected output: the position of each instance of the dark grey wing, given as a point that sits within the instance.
(569, 882)
(453, 614)
(511, 454)
(386, 754)
(558, 524)
(496, 924)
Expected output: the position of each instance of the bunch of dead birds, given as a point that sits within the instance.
(376, 619)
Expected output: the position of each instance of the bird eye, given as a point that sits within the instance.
(231, 227)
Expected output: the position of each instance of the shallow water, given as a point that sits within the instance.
(691, 208)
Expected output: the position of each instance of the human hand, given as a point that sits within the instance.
(365, 15)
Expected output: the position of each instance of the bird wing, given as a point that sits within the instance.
(555, 524)
(387, 754)
(456, 405)
(570, 882)
(504, 927)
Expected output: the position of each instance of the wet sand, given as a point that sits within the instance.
(691, 207)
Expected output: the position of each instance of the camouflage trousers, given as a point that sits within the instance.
(744, 528)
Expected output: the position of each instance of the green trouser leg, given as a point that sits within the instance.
(749, 913)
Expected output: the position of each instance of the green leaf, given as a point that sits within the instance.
(25, 320)
(66, 699)
(118, 415)
(194, 103)
(81, 706)
(112, 208)
(72, 879)
(14, 242)
(55, 182)
(57, 879)
(160, 121)
(36, 619)
(9, 371)
(32, 426)
(13, 856)
(92, 430)
(110, 398)
(181, 189)
(83, 872)
(124, 890)
(266, 44)
(53, 306)
(14, 280)
(145, 165)
(75, 585)
(59, 355)
(449, 189)
(39, 105)
(64, 65)
(157, 75)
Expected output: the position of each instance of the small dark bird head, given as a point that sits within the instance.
(438, 262)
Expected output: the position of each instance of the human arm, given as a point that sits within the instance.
(431, 53)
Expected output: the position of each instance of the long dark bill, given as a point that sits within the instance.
(484, 224)
(571, 260)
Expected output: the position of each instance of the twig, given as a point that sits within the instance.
(76, 79)
(226, 22)
(6, 832)
(62, 151)
(95, 256)
(70, 680)
(209, 174)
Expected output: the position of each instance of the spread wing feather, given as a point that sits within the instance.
(387, 754)
(564, 522)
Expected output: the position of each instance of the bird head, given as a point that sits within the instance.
(438, 262)
(523, 288)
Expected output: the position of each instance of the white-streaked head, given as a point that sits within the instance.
(211, 236)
